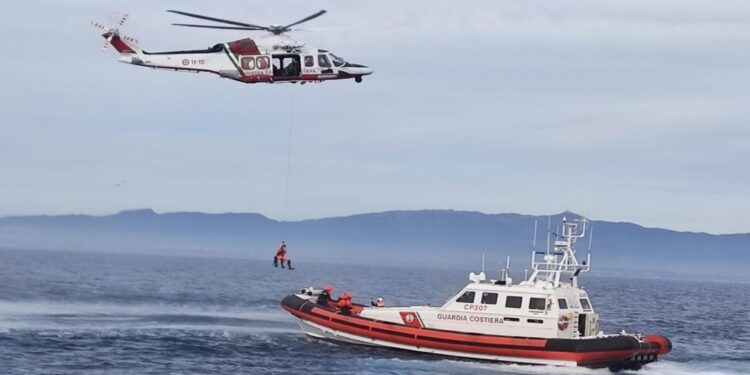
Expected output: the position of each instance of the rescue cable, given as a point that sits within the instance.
(281, 252)
(289, 155)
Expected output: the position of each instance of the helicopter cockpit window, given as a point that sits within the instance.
(309, 61)
(323, 61)
(263, 62)
(337, 60)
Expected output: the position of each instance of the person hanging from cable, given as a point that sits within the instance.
(281, 257)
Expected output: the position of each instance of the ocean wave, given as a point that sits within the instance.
(46, 315)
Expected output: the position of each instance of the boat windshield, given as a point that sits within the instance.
(337, 61)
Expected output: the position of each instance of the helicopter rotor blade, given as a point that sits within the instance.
(123, 19)
(99, 26)
(218, 27)
(316, 15)
(217, 19)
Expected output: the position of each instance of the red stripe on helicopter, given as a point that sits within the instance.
(119, 45)
(243, 47)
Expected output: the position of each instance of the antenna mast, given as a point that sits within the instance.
(562, 258)
(549, 230)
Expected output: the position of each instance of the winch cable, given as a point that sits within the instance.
(288, 162)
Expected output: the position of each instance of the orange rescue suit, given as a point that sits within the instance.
(345, 304)
(281, 253)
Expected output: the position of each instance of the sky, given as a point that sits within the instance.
(622, 111)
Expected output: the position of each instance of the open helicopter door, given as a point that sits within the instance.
(286, 66)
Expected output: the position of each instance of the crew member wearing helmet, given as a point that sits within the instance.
(345, 304)
(379, 302)
(325, 298)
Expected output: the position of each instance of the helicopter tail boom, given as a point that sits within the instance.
(123, 45)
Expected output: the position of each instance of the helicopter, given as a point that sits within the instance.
(272, 58)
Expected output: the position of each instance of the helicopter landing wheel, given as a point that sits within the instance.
(358, 79)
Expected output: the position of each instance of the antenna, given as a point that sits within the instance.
(549, 230)
(482, 262)
(507, 263)
(508, 278)
(533, 243)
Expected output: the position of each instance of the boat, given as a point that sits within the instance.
(547, 319)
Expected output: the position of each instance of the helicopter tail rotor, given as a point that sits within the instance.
(123, 44)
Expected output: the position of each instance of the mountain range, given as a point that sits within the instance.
(439, 238)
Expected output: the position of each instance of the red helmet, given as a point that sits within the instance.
(328, 289)
(346, 295)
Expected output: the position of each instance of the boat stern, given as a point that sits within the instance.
(649, 349)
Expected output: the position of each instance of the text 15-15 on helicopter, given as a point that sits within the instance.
(273, 58)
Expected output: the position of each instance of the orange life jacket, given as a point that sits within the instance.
(344, 303)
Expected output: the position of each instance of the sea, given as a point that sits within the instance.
(93, 313)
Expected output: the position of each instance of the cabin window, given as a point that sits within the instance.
(537, 304)
(513, 302)
(507, 319)
(248, 63)
(323, 61)
(489, 298)
(337, 61)
(585, 304)
(563, 303)
(537, 321)
(309, 61)
(467, 297)
(263, 62)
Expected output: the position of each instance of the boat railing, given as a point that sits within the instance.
(549, 265)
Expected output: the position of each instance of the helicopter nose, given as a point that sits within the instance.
(357, 69)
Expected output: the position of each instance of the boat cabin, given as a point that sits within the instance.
(564, 311)
(541, 306)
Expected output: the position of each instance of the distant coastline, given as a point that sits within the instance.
(431, 238)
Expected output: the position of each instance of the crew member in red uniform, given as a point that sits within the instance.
(345, 304)
(281, 257)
